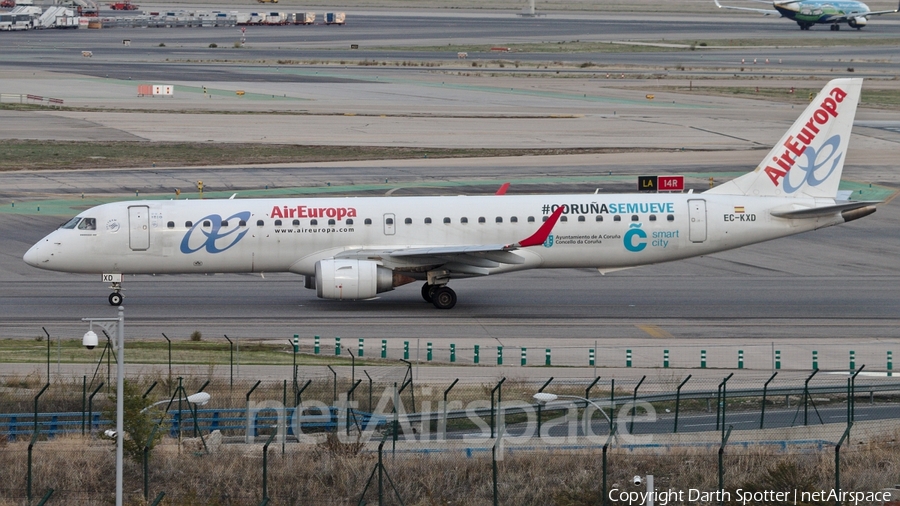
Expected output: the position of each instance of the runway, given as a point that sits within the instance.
(834, 289)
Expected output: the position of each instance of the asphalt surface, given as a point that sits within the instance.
(832, 290)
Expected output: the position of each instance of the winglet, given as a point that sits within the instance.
(503, 188)
(542, 233)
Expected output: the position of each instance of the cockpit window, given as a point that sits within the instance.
(88, 224)
(71, 223)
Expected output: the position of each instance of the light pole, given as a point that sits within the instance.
(544, 398)
(90, 340)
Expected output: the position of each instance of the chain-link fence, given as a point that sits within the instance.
(383, 436)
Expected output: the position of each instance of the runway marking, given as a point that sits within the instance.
(654, 331)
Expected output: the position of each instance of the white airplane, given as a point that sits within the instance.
(814, 12)
(354, 248)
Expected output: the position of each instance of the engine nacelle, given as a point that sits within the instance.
(351, 279)
(857, 22)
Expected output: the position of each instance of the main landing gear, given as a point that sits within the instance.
(442, 296)
(835, 27)
(115, 298)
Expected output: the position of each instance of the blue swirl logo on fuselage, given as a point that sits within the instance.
(629, 238)
(214, 240)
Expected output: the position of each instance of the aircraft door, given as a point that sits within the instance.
(389, 224)
(697, 214)
(139, 227)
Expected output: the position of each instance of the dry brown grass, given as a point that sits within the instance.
(82, 473)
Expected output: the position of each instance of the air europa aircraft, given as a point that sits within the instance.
(355, 248)
(815, 12)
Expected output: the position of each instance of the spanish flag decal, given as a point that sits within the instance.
(738, 209)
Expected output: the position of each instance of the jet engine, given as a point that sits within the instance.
(351, 279)
(857, 22)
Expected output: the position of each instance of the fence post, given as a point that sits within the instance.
(405, 350)
(429, 355)
(702, 359)
(499, 355)
(852, 360)
(627, 358)
(452, 353)
(777, 360)
(525, 359)
(337, 346)
(890, 363)
(477, 350)
(296, 343)
(384, 348)
(678, 401)
(665, 359)
(762, 416)
(591, 357)
(316, 346)
(815, 360)
(547, 356)
(837, 462)
(740, 359)
(362, 346)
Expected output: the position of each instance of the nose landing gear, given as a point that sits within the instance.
(115, 298)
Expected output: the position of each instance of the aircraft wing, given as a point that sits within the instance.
(767, 12)
(468, 258)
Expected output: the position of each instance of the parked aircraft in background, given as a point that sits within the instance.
(355, 248)
(818, 12)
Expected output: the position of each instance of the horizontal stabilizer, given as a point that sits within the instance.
(818, 212)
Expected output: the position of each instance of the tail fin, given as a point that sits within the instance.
(809, 158)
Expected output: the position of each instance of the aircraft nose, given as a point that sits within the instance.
(33, 256)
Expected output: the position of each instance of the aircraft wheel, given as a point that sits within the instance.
(428, 291)
(444, 298)
(115, 299)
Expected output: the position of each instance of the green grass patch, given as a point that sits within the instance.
(43, 155)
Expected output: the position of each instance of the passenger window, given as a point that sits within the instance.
(581, 218)
(652, 217)
(207, 223)
(277, 223)
(224, 223)
(389, 221)
(563, 218)
(368, 221)
(408, 221)
(349, 221)
(544, 218)
(88, 224)
(296, 223)
(617, 218)
(188, 224)
(170, 224)
(464, 220)
(514, 220)
(241, 223)
(446, 220)
(259, 223)
(71, 223)
(670, 218)
(599, 218)
(313, 222)
(481, 219)
(498, 219)
(331, 222)
(531, 219)
(634, 217)
(427, 221)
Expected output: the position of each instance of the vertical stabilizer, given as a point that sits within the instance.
(809, 158)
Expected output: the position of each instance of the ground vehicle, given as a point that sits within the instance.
(123, 6)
